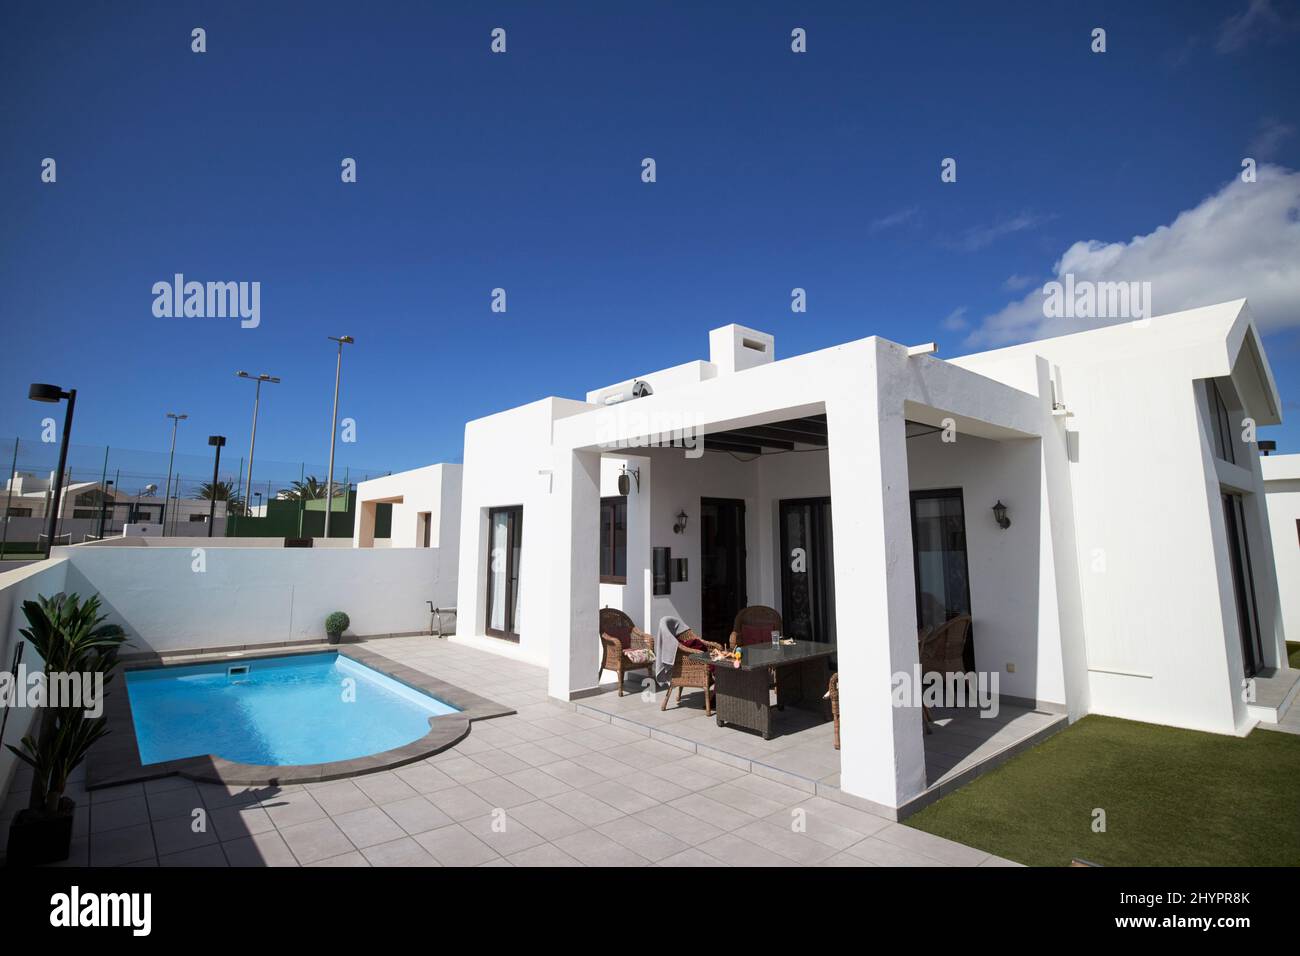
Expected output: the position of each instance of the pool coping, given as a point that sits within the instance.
(115, 759)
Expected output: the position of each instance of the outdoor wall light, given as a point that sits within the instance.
(1000, 515)
(680, 526)
(625, 485)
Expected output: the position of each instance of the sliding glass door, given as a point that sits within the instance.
(505, 537)
(807, 570)
(939, 553)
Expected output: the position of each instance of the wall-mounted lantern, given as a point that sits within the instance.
(1000, 515)
(680, 526)
(624, 481)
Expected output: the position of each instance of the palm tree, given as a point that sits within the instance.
(221, 491)
(307, 489)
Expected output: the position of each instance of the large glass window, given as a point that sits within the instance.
(505, 539)
(613, 540)
(1243, 584)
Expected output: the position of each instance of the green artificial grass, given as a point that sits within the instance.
(1293, 653)
(1172, 798)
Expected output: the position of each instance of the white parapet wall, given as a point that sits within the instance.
(178, 599)
(24, 584)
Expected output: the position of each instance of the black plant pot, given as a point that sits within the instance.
(332, 638)
(36, 837)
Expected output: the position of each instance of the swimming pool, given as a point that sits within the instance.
(275, 711)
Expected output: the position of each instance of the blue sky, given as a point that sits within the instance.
(522, 171)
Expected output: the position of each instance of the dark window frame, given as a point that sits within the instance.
(514, 537)
(1224, 447)
(609, 547)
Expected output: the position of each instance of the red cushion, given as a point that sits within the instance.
(691, 641)
(755, 634)
(622, 632)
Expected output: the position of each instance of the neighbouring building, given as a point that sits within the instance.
(1282, 487)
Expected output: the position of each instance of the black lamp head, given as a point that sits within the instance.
(217, 441)
(624, 484)
(1000, 515)
(1266, 446)
(45, 393)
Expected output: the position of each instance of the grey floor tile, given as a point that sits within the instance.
(403, 852)
(455, 846)
(210, 855)
(416, 815)
(316, 840)
(544, 854)
(642, 838)
(368, 826)
(122, 845)
(459, 803)
(384, 787)
(291, 808)
(127, 812)
(546, 820)
(231, 823)
(175, 834)
(593, 848)
(340, 796)
(584, 808)
(261, 849)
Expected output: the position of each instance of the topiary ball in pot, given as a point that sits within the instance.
(335, 625)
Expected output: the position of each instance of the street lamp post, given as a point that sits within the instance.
(257, 399)
(167, 498)
(52, 393)
(216, 441)
(342, 340)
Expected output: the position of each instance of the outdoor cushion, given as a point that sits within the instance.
(622, 632)
(691, 641)
(639, 656)
(755, 634)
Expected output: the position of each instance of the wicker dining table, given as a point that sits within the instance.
(742, 695)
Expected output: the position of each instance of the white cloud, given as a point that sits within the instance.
(955, 320)
(1270, 135)
(1243, 241)
(1258, 20)
(900, 218)
(978, 237)
(1017, 282)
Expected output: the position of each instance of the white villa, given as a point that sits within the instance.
(1133, 577)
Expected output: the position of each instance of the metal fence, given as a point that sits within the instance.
(138, 488)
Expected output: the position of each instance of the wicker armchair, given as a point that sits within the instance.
(689, 673)
(766, 619)
(833, 692)
(618, 635)
(942, 651)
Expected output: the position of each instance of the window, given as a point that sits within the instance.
(85, 512)
(1243, 584)
(202, 518)
(20, 512)
(613, 540)
(1221, 427)
(505, 540)
(426, 525)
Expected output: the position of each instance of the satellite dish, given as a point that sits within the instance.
(151, 489)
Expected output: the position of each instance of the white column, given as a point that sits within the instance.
(882, 756)
(575, 573)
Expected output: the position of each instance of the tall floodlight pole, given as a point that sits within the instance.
(216, 441)
(342, 340)
(52, 393)
(167, 498)
(257, 398)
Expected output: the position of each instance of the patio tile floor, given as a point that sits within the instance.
(607, 782)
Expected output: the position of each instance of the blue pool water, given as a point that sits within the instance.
(282, 711)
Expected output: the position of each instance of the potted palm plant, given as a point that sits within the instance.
(72, 638)
(335, 625)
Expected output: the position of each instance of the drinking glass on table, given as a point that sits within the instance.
(776, 638)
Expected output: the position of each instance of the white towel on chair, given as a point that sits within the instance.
(666, 645)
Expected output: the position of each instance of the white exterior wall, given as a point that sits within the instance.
(39, 579)
(508, 461)
(1281, 475)
(1158, 608)
(256, 595)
